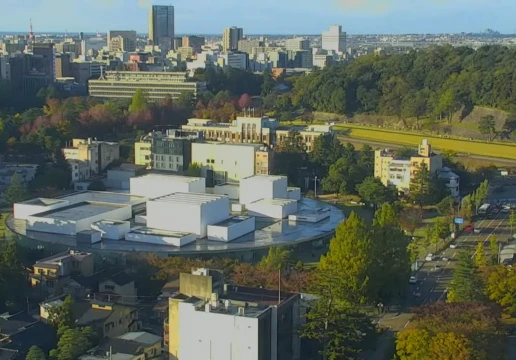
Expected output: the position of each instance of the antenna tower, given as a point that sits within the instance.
(31, 36)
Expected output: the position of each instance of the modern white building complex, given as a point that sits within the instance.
(174, 214)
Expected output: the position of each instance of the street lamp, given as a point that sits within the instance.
(315, 187)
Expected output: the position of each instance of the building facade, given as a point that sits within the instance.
(222, 162)
(162, 26)
(334, 39)
(195, 42)
(248, 45)
(98, 154)
(297, 44)
(233, 60)
(231, 37)
(121, 40)
(48, 54)
(157, 85)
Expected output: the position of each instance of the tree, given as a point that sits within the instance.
(501, 287)
(342, 177)
(276, 258)
(349, 262)
(480, 257)
(411, 218)
(35, 353)
(13, 283)
(413, 344)
(139, 102)
(422, 186)
(446, 206)
(194, 169)
(487, 126)
(186, 99)
(404, 152)
(466, 284)
(512, 221)
(268, 83)
(390, 258)
(366, 160)
(72, 344)
(373, 192)
(341, 332)
(493, 246)
(244, 101)
(16, 191)
(326, 151)
(61, 317)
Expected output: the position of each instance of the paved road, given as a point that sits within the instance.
(384, 144)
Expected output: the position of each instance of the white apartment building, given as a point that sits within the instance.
(334, 39)
(234, 60)
(222, 162)
(99, 154)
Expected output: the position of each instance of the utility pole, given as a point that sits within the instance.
(315, 188)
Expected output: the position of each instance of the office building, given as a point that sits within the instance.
(248, 45)
(195, 42)
(322, 60)
(48, 54)
(297, 44)
(5, 71)
(178, 42)
(63, 68)
(300, 59)
(83, 71)
(223, 162)
(29, 73)
(334, 39)
(279, 59)
(231, 37)
(157, 85)
(121, 40)
(171, 151)
(70, 46)
(99, 154)
(231, 322)
(233, 60)
(161, 26)
(395, 170)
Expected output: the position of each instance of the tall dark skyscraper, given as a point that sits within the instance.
(161, 26)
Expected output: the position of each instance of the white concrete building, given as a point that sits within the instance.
(234, 60)
(334, 39)
(81, 170)
(231, 228)
(272, 208)
(160, 237)
(187, 212)
(156, 185)
(112, 229)
(261, 187)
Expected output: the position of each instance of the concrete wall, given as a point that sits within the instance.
(230, 233)
(294, 193)
(160, 240)
(209, 335)
(119, 179)
(271, 210)
(212, 213)
(231, 191)
(153, 186)
(113, 231)
(262, 187)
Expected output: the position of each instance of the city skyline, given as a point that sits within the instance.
(356, 16)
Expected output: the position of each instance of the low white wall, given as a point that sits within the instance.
(23, 211)
(242, 228)
(49, 225)
(275, 211)
(294, 193)
(160, 240)
(113, 231)
(312, 217)
(231, 191)
(218, 233)
(141, 219)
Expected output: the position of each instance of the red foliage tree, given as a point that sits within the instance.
(244, 101)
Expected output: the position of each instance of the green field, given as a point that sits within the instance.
(506, 151)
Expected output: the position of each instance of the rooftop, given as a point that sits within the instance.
(141, 337)
(43, 202)
(189, 198)
(232, 221)
(56, 259)
(169, 178)
(269, 178)
(104, 197)
(158, 232)
(78, 211)
(277, 202)
(220, 144)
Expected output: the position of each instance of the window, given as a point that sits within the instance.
(222, 161)
(236, 163)
(109, 287)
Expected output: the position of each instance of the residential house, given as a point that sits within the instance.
(119, 288)
(131, 346)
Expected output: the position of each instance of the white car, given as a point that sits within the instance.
(453, 246)
(477, 231)
(430, 257)
(413, 280)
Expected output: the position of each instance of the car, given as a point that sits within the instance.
(413, 280)
(453, 246)
(477, 231)
(416, 294)
(495, 211)
(430, 257)
(445, 258)
(505, 211)
(469, 228)
(436, 268)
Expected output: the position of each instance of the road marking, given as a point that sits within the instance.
(492, 232)
(432, 289)
(408, 322)
(455, 253)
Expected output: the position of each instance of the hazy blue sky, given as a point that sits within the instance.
(264, 16)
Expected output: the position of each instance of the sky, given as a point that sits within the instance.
(264, 16)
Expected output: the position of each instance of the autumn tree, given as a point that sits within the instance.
(501, 287)
(139, 102)
(480, 256)
(244, 101)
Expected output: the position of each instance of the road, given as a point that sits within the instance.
(433, 283)
(397, 146)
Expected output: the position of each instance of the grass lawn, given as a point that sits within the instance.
(506, 151)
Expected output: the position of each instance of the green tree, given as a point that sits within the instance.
(326, 151)
(13, 284)
(413, 344)
(493, 247)
(16, 191)
(61, 317)
(487, 126)
(501, 287)
(415, 104)
(466, 283)
(422, 186)
(268, 83)
(391, 258)
(512, 221)
(342, 176)
(349, 262)
(393, 92)
(373, 192)
(480, 256)
(366, 160)
(341, 332)
(72, 344)
(194, 169)
(35, 353)
(187, 99)
(446, 206)
(277, 258)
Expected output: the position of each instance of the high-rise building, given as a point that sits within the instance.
(248, 45)
(297, 44)
(63, 65)
(195, 42)
(334, 39)
(121, 40)
(161, 26)
(48, 53)
(178, 42)
(231, 37)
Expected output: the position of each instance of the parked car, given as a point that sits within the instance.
(469, 228)
(477, 231)
(430, 257)
(453, 246)
(445, 258)
(413, 280)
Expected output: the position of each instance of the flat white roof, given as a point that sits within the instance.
(78, 211)
(278, 202)
(189, 198)
(219, 144)
(270, 178)
(172, 178)
(104, 196)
